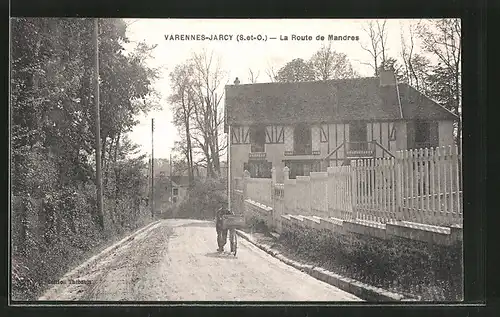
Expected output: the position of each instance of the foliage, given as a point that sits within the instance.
(296, 70)
(204, 199)
(328, 64)
(255, 224)
(442, 38)
(53, 137)
(406, 266)
(324, 64)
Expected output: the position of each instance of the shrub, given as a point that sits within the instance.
(256, 224)
(203, 200)
(168, 212)
(56, 232)
(408, 266)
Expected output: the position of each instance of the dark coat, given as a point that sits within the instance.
(219, 216)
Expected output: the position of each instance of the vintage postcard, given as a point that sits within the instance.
(236, 160)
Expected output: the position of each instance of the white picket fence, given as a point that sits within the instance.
(431, 184)
(374, 187)
(417, 185)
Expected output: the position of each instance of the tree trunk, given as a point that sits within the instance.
(103, 162)
(106, 169)
(189, 155)
(117, 146)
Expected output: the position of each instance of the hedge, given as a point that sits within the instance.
(406, 266)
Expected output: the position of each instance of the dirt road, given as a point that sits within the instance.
(177, 260)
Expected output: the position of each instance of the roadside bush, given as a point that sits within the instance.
(203, 200)
(401, 265)
(54, 233)
(168, 212)
(256, 225)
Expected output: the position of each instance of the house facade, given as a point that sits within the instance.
(308, 126)
(179, 189)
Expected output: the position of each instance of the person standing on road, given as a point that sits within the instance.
(221, 232)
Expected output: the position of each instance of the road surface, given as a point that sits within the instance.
(176, 260)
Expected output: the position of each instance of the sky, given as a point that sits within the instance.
(237, 57)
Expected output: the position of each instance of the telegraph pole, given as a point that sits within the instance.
(152, 169)
(98, 127)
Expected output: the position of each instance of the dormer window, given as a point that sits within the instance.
(257, 138)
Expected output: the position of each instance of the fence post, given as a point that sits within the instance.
(399, 185)
(309, 196)
(354, 189)
(273, 196)
(244, 185)
(286, 179)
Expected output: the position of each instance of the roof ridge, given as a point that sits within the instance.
(306, 82)
(354, 98)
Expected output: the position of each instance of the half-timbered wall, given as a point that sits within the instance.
(275, 134)
(325, 138)
(240, 135)
(385, 134)
(338, 133)
(240, 147)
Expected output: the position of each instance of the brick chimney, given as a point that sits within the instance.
(387, 78)
(236, 81)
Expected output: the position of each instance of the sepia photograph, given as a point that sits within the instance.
(235, 160)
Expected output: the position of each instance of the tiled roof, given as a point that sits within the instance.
(327, 101)
(418, 106)
(181, 180)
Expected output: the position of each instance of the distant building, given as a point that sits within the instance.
(178, 191)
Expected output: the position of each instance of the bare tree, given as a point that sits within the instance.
(253, 77)
(377, 34)
(416, 66)
(271, 72)
(442, 38)
(183, 104)
(208, 114)
(382, 35)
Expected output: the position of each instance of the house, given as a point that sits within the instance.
(179, 188)
(308, 126)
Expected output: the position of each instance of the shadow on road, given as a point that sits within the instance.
(224, 255)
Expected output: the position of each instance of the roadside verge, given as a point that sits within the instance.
(362, 290)
(94, 259)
